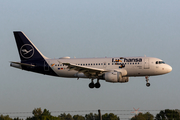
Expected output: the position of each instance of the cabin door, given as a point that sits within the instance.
(46, 66)
(146, 63)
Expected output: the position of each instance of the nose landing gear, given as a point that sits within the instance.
(96, 85)
(147, 81)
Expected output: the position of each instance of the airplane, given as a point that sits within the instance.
(114, 70)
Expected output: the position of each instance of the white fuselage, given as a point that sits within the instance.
(148, 66)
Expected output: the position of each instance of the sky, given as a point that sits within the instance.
(85, 29)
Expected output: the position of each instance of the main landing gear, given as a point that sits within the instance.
(96, 85)
(147, 81)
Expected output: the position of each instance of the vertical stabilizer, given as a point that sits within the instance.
(27, 50)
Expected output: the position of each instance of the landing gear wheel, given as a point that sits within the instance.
(97, 85)
(91, 85)
(148, 84)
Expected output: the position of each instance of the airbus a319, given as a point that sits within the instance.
(114, 70)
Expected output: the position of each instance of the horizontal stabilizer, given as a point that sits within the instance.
(18, 64)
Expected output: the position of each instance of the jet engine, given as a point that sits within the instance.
(115, 77)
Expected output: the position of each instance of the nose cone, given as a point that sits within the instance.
(169, 68)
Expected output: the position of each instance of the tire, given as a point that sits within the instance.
(97, 85)
(147, 84)
(91, 85)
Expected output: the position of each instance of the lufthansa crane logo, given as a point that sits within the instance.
(27, 51)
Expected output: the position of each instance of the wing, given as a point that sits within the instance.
(88, 71)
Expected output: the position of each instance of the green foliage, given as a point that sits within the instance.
(5, 117)
(145, 116)
(8, 118)
(39, 115)
(37, 112)
(168, 115)
(148, 116)
(91, 116)
(110, 116)
(138, 117)
(65, 116)
(78, 117)
(17, 119)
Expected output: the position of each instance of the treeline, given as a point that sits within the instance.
(162, 115)
(38, 114)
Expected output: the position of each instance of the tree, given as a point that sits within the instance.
(110, 116)
(5, 117)
(37, 112)
(168, 115)
(17, 118)
(91, 116)
(148, 116)
(39, 115)
(46, 113)
(138, 117)
(145, 116)
(78, 117)
(65, 116)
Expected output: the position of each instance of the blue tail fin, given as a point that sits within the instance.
(27, 50)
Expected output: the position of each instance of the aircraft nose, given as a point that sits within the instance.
(169, 68)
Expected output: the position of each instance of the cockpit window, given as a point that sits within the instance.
(160, 62)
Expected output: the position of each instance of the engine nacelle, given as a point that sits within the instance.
(115, 77)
